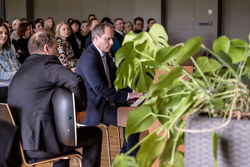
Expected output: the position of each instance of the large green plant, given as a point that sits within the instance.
(219, 87)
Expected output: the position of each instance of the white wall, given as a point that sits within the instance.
(80, 9)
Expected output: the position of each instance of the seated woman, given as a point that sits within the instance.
(49, 25)
(8, 61)
(66, 54)
(128, 26)
(150, 22)
(21, 45)
(75, 39)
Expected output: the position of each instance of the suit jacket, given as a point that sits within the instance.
(74, 45)
(90, 68)
(29, 97)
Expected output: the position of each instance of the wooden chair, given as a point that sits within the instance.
(33, 162)
(63, 102)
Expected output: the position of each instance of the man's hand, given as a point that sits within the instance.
(80, 116)
(135, 95)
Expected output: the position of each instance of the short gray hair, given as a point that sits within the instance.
(100, 29)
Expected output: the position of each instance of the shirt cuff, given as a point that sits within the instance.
(128, 96)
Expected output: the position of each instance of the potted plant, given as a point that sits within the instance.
(218, 88)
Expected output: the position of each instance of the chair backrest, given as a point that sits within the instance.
(63, 102)
(9, 146)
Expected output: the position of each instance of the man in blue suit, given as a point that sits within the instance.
(97, 69)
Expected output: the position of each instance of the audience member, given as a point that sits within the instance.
(66, 54)
(41, 21)
(29, 98)
(69, 20)
(49, 25)
(8, 61)
(91, 17)
(75, 39)
(106, 20)
(15, 24)
(23, 20)
(37, 25)
(92, 25)
(85, 31)
(10, 31)
(138, 23)
(128, 26)
(150, 22)
(96, 68)
(9, 27)
(118, 35)
(21, 45)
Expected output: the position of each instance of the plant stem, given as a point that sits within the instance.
(202, 74)
(175, 142)
(176, 94)
(160, 115)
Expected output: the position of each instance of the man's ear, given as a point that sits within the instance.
(46, 49)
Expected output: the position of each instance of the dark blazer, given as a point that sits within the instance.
(90, 68)
(74, 45)
(21, 47)
(29, 97)
(88, 41)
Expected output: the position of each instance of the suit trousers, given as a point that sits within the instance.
(109, 117)
(90, 138)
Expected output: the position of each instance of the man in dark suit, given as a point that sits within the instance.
(30, 96)
(98, 71)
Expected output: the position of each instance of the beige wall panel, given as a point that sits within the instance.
(45, 8)
(97, 7)
(235, 18)
(69, 9)
(123, 9)
(15, 8)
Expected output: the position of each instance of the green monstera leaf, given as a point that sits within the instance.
(143, 76)
(190, 48)
(165, 81)
(165, 158)
(207, 65)
(129, 37)
(221, 44)
(166, 55)
(237, 49)
(136, 59)
(139, 120)
(124, 161)
(150, 150)
(125, 61)
(159, 35)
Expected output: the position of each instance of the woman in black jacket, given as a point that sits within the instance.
(75, 39)
(21, 45)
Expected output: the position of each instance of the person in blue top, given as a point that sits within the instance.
(8, 61)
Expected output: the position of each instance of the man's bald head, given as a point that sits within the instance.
(39, 40)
